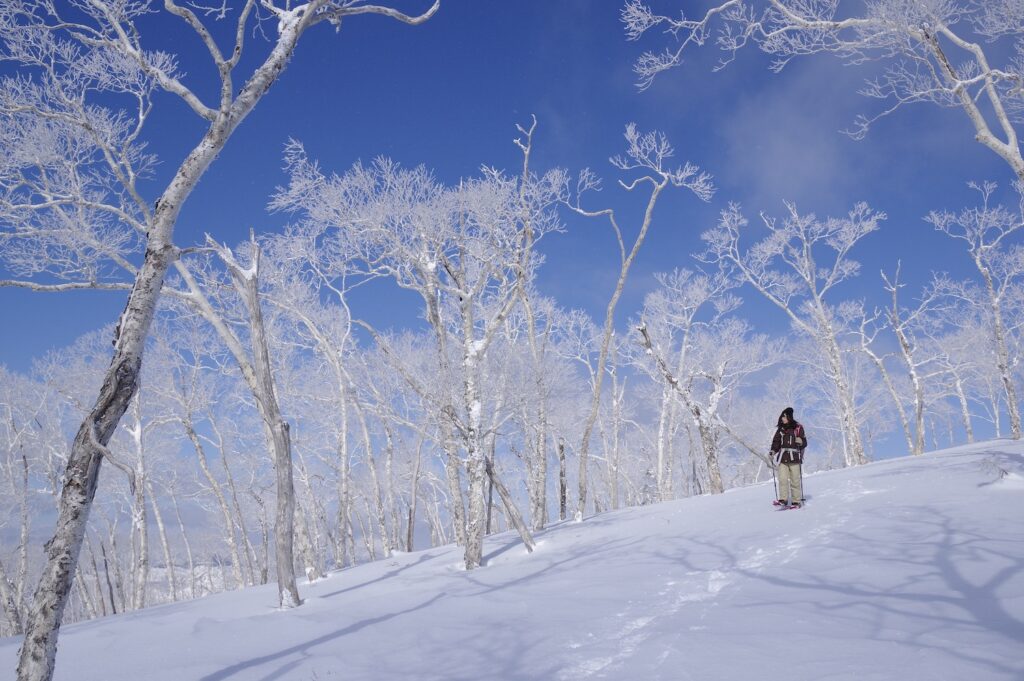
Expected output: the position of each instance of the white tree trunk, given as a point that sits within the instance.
(96, 575)
(140, 524)
(413, 496)
(538, 464)
(39, 649)
(389, 482)
(188, 547)
(258, 375)
(82, 590)
(476, 458)
(380, 514)
(345, 532)
(663, 476)
(245, 546)
(21, 582)
(9, 604)
(310, 538)
(229, 525)
(1002, 353)
(537, 448)
(453, 476)
(853, 446)
(916, 381)
(172, 581)
(609, 329)
(511, 511)
(965, 411)
(563, 481)
(618, 396)
(900, 411)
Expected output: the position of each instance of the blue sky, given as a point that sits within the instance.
(448, 94)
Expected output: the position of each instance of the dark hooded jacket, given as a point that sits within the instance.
(790, 439)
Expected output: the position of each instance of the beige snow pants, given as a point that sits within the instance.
(789, 482)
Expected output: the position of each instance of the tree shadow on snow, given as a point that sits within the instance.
(382, 578)
(930, 592)
(302, 649)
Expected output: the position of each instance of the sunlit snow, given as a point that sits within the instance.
(903, 569)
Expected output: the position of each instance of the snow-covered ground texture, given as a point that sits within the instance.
(904, 569)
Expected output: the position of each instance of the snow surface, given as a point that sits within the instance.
(903, 569)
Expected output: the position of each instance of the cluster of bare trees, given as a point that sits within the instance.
(272, 429)
(454, 430)
(74, 207)
(960, 54)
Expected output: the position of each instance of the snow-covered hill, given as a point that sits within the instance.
(904, 569)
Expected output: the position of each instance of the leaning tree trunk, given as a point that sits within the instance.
(39, 649)
(511, 510)
(900, 411)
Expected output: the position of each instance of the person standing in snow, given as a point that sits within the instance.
(788, 452)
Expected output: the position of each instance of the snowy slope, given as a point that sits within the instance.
(904, 569)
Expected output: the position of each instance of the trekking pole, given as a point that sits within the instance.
(803, 492)
(775, 485)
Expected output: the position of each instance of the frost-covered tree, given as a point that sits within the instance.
(72, 199)
(685, 321)
(242, 274)
(460, 249)
(921, 359)
(988, 231)
(185, 366)
(648, 159)
(24, 404)
(796, 267)
(673, 315)
(577, 339)
(544, 384)
(966, 54)
(309, 276)
(965, 343)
